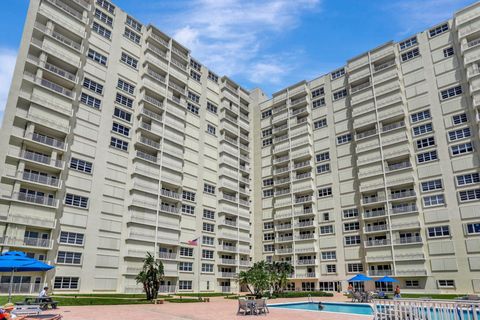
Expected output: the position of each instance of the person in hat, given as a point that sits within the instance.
(6, 312)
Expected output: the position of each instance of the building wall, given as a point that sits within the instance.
(116, 142)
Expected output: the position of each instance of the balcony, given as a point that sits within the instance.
(178, 64)
(228, 261)
(245, 263)
(304, 224)
(282, 192)
(146, 156)
(170, 194)
(41, 200)
(360, 87)
(46, 140)
(167, 255)
(60, 72)
(377, 243)
(284, 251)
(393, 126)
(304, 211)
(298, 101)
(366, 134)
(303, 275)
(304, 262)
(169, 209)
(306, 236)
(39, 158)
(302, 164)
(404, 209)
(281, 170)
(376, 228)
(49, 85)
(303, 199)
(27, 242)
(398, 166)
(402, 194)
(69, 10)
(155, 75)
(149, 142)
(374, 214)
(298, 111)
(39, 178)
(283, 226)
(303, 176)
(380, 273)
(372, 199)
(155, 102)
(408, 240)
(281, 181)
(284, 239)
(384, 66)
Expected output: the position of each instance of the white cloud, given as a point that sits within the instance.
(7, 64)
(234, 37)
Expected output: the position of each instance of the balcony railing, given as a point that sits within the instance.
(377, 243)
(229, 261)
(60, 72)
(48, 84)
(26, 241)
(303, 175)
(228, 275)
(360, 87)
(63, 6)
(180, 53)
(393, 126)
(303, 199)
(284, 239)
(167, 255)
(284, 251)
(301, 110)
(306, 236)
(38, 178)
(156, 75)
(380, 273)
(283, 226)
(41, 159)
(372, 214)
(373, 199)
(404, 208)
(375, 228)
(301, 164)
(403, 194)
(65, 40)
(306, 261)
(384, 65)
(153, 101)
(170, 194)
(169, 209)
(46, 201)
(304, 211)
(407, 240)
(146, 156)
(304, 224)
(366, 134)
(398, 166)
(167, 289)
(47, 140)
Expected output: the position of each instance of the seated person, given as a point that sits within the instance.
(44, 297)
(6, 312)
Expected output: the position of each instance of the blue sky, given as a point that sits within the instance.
(266, 43)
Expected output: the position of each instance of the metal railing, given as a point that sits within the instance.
(38, 178)
(402, 194)
(46, 201)
(67, 9)
(393, 126)
(27, 241)
(407, 240)
(171, 194)
(169, 209)
(398, 166)
(404, 208)
(377, 243)
(28, 155)
(167, 255)
(146, 156)
(153, 101)
(306, 261)
(23, 288)
(47, 140)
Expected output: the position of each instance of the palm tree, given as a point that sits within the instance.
(279, 273)
(150, 276)
(257, 277)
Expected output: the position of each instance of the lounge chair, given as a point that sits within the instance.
(27, 310)
(261, 306)
(244, 306)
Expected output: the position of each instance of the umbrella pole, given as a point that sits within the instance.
(10, 287)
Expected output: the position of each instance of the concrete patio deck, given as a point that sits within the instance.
(217, 309)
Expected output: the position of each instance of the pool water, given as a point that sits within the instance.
(363, 309)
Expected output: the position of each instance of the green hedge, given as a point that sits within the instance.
(181, 300)
(303, 294)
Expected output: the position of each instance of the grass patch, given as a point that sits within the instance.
(233, 297)
(180, 300)
(433, 296)
(84, 301)
(204, 294)
(105, 295)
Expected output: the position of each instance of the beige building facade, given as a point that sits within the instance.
(117, 142)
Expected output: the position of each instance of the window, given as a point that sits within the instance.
(186, 252)
(208, 240)
(409, 55)
(65, 283)
(125, 86)
(212, 76)
(338, 73)
(207, 267)
(451, 92)
(351, 226)
(420, 116)
(352, 240)
(324, 192)
(466, 179)
(90, 101)
(71, 238)
(69, 257)
(188, 195)
(267, 225)
(208, 188)
(425, 143)
(339, 94)
(185, 266)
(448, 52)
(211, 107)
(81, 165)
(350, 213)
(329, 255)
(412, 284)
(195, 76)
(103, 17)
(98, 57)
(318, 92)
(326, 229)
(119, 113)
(76, 201)
(266, 132)
(104, 32)
(188, 209)
(266, 114)
(408, 43)
(92, 85)
(318, 103)
(185, 285)
(446, 283)
(268, 182)
(326, 216)
(209, 214)
(354, 267)
(192, 108)
(134, 23)
(268, 193)
(459, 118)
(473, 228)
(207, 254)
(320, 123)
(268, 236)
(123, 100)
(118, 144)
(121, 129)
(268, 248)
(106, 5)
(267, 142)
(344, 138)
(129, 60)
(195, 65)
(324, 156)
(211, 129)
(432, 185)
(469, 195)
(440, 231)
(331, 268)
(194, 97)
(129, 34)
(427, 156)
(462, 148)
(323, 168)
(208, 227)
(438, 30)
(435, 200)
(459, 134)
(422, 129)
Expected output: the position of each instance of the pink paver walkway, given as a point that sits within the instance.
(216, 309)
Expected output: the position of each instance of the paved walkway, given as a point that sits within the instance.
(217, 309)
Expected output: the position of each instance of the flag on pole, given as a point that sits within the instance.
(193, 242)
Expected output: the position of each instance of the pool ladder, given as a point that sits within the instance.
(310, 299)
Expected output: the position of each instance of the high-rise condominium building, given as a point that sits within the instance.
(116, 142)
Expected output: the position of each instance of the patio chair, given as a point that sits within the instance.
(243, 306)
(261, 306)
(357, 297)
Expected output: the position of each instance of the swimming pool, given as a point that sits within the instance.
(361, 309)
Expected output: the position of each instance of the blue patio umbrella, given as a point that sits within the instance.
(15, 261)
(386, 279)
(360, 278)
